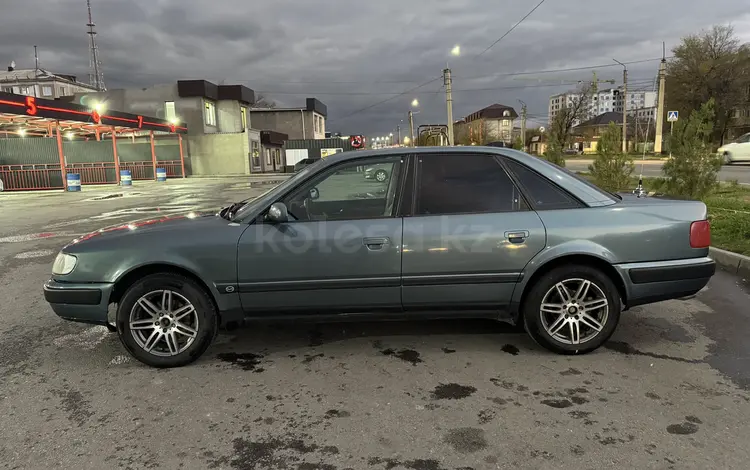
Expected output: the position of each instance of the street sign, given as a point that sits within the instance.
(672, 116)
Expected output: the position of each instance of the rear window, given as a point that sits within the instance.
(588, 183)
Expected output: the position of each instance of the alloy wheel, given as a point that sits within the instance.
(574, 311)
(163, 323)
(380, 176)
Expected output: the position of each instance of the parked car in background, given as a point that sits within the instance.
(737, 151)
(304, 162)
(572, 151)
(378, 173)
(465, 232)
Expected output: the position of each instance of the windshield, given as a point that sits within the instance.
(743, 139)
(299, 176)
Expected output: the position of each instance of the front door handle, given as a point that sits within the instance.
(375, 243)
(517, 236)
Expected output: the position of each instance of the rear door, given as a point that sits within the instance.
(470, 236)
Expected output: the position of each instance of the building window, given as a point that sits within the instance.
(62, 91)
(268, 157)
(243, 113)
(169, 112)
(255, 146)
(47, 90)
(210, 112)
(8, 89)
(278, 157)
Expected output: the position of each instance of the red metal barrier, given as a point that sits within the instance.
(26, 177)
(145, 170)
(94, 173)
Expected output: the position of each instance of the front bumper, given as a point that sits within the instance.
(651, 282)
(85, 303)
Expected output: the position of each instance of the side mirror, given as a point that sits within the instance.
(278, 213)
(314, 194)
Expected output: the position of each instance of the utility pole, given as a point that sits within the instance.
(449, 103)
(411, 128)
(398, 133)
(660, 107)
(624, 106)
(523, 125)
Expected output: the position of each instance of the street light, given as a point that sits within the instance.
(456, 51)
(414, 103)
(22, 132)
(390, 141)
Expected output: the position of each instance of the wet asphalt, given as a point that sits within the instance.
(671, 390)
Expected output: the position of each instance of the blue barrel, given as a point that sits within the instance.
(161, 174)
(125, 178)
(74, 181)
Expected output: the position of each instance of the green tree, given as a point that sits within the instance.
(711, 64)
(693, 168)
(611, 168)
(518, 143)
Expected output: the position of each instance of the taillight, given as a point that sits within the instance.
(700, 234)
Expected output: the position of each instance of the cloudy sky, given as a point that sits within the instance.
(358, 57)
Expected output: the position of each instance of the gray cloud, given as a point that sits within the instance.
(354, 54)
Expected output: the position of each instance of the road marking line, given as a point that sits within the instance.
(34, 254)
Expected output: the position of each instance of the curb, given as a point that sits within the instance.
(732, 262)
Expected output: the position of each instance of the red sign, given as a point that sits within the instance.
(357, 141)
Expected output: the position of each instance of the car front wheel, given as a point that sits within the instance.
(572, 309)
(166, 320)
(381, 176)
(727, 158)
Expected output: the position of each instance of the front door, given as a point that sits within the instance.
(471, 235)
(339, 253)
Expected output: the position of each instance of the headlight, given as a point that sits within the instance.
(64, 264)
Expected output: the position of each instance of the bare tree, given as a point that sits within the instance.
(572, 113)
(712, 64)
(263, 102)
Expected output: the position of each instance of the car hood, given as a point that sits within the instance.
(172, 222)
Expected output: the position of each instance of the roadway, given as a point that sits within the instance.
(669, 391)
(652, 168)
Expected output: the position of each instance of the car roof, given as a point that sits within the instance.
(585, 191)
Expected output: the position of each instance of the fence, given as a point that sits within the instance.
(34, 163)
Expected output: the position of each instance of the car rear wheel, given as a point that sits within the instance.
(166, 320)
(572, 309)
(381, 175)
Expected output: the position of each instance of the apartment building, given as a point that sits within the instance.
(607, 100)
(308, 122)
(41, 83)
(490, 124)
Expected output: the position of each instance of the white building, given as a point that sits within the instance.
(41, 83)
(605, 101)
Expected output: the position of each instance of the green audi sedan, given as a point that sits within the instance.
(479, 232)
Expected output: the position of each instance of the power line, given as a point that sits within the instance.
(512, 28)
(644, 81)
(410, 90)
(568, 69)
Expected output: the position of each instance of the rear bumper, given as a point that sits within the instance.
(86, 303)
(651, 282)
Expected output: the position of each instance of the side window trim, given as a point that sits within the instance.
(417, 186)
(408, 173)
(333, 169)
(524, 190)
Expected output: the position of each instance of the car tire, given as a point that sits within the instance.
(583, 314)
(180, 338)
(380, 176)
(727, 158)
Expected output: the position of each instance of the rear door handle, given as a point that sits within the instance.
(375, 243)
(517, 236)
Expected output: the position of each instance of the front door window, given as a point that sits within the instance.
(344, 193)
